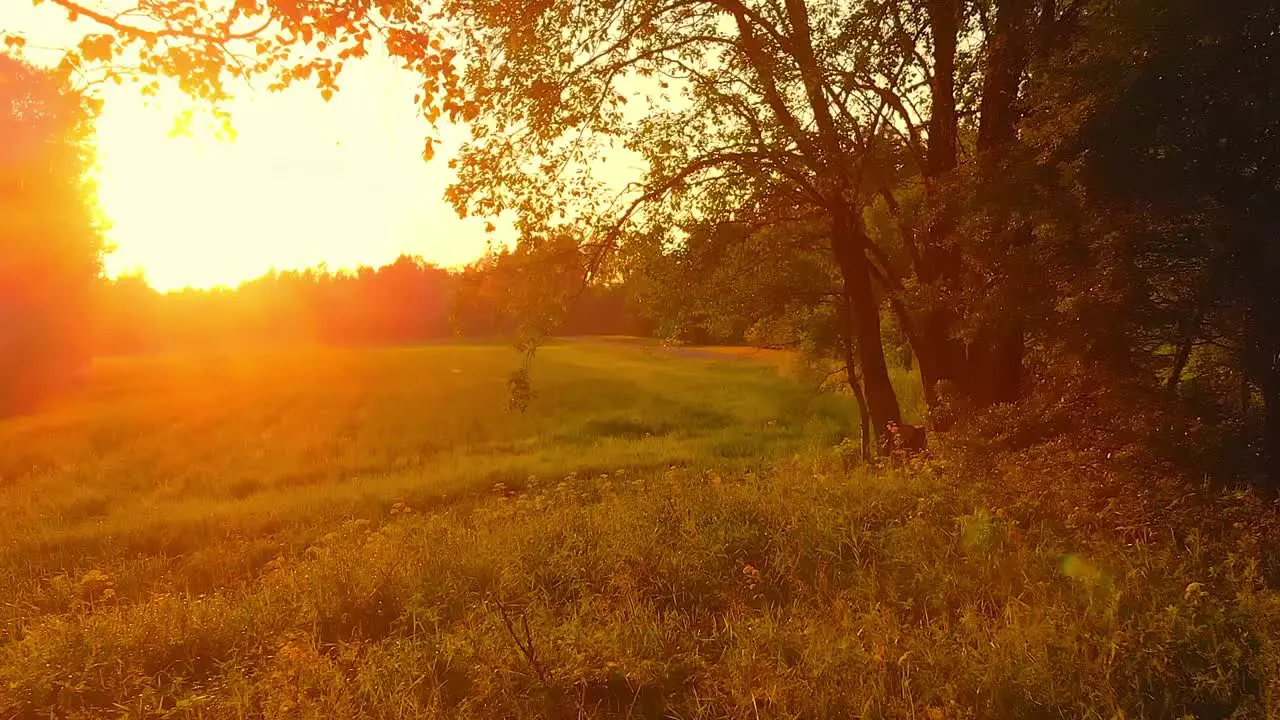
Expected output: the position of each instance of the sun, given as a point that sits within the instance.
(305, 182)
(199, 211)
(180, 210)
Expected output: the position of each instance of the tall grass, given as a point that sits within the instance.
(666, 537)
(791, 592)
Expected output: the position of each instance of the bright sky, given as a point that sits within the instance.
(305, 182)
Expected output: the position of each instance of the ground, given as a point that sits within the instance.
(371, 533)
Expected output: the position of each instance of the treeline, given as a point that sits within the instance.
(407, 301)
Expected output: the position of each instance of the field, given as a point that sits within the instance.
(334, 534)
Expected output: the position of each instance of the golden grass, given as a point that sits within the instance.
(331, 534)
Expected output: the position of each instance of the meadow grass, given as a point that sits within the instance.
(158, 461)
(369, 534)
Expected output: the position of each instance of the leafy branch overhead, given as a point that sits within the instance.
(209, 47)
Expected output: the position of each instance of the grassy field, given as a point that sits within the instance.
(161, 459)
(370, 534)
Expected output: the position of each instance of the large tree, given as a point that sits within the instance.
(738, 105)
(730, 105)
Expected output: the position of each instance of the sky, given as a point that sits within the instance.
(305, 182)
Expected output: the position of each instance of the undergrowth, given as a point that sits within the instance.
(795, 591)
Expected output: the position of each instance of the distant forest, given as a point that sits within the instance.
(404, 302)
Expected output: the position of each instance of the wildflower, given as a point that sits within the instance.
(1194, 591)
(95, 577)
(96, 583)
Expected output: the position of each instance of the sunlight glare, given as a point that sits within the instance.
(304, 183)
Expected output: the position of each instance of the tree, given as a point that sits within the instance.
(910, 106)
(50, 239)
(529, 292)
(1179, 143)
(736, 106)
(765, 279)
(953, 165)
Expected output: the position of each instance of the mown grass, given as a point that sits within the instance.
(606, 557)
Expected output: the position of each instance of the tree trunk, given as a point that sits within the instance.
(1246, 396)
(941, 356)
(864, 311)
(995, 357)
(1271, 421)
(995, 360)
(851, 372)
(1008, 51)
(1182, 356)
(864, 420)
(944, 25)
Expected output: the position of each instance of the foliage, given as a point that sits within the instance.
(50, 236)
(1197, 192)
(540, 289)
(205, 49)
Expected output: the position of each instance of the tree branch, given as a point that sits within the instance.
(137, 32)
